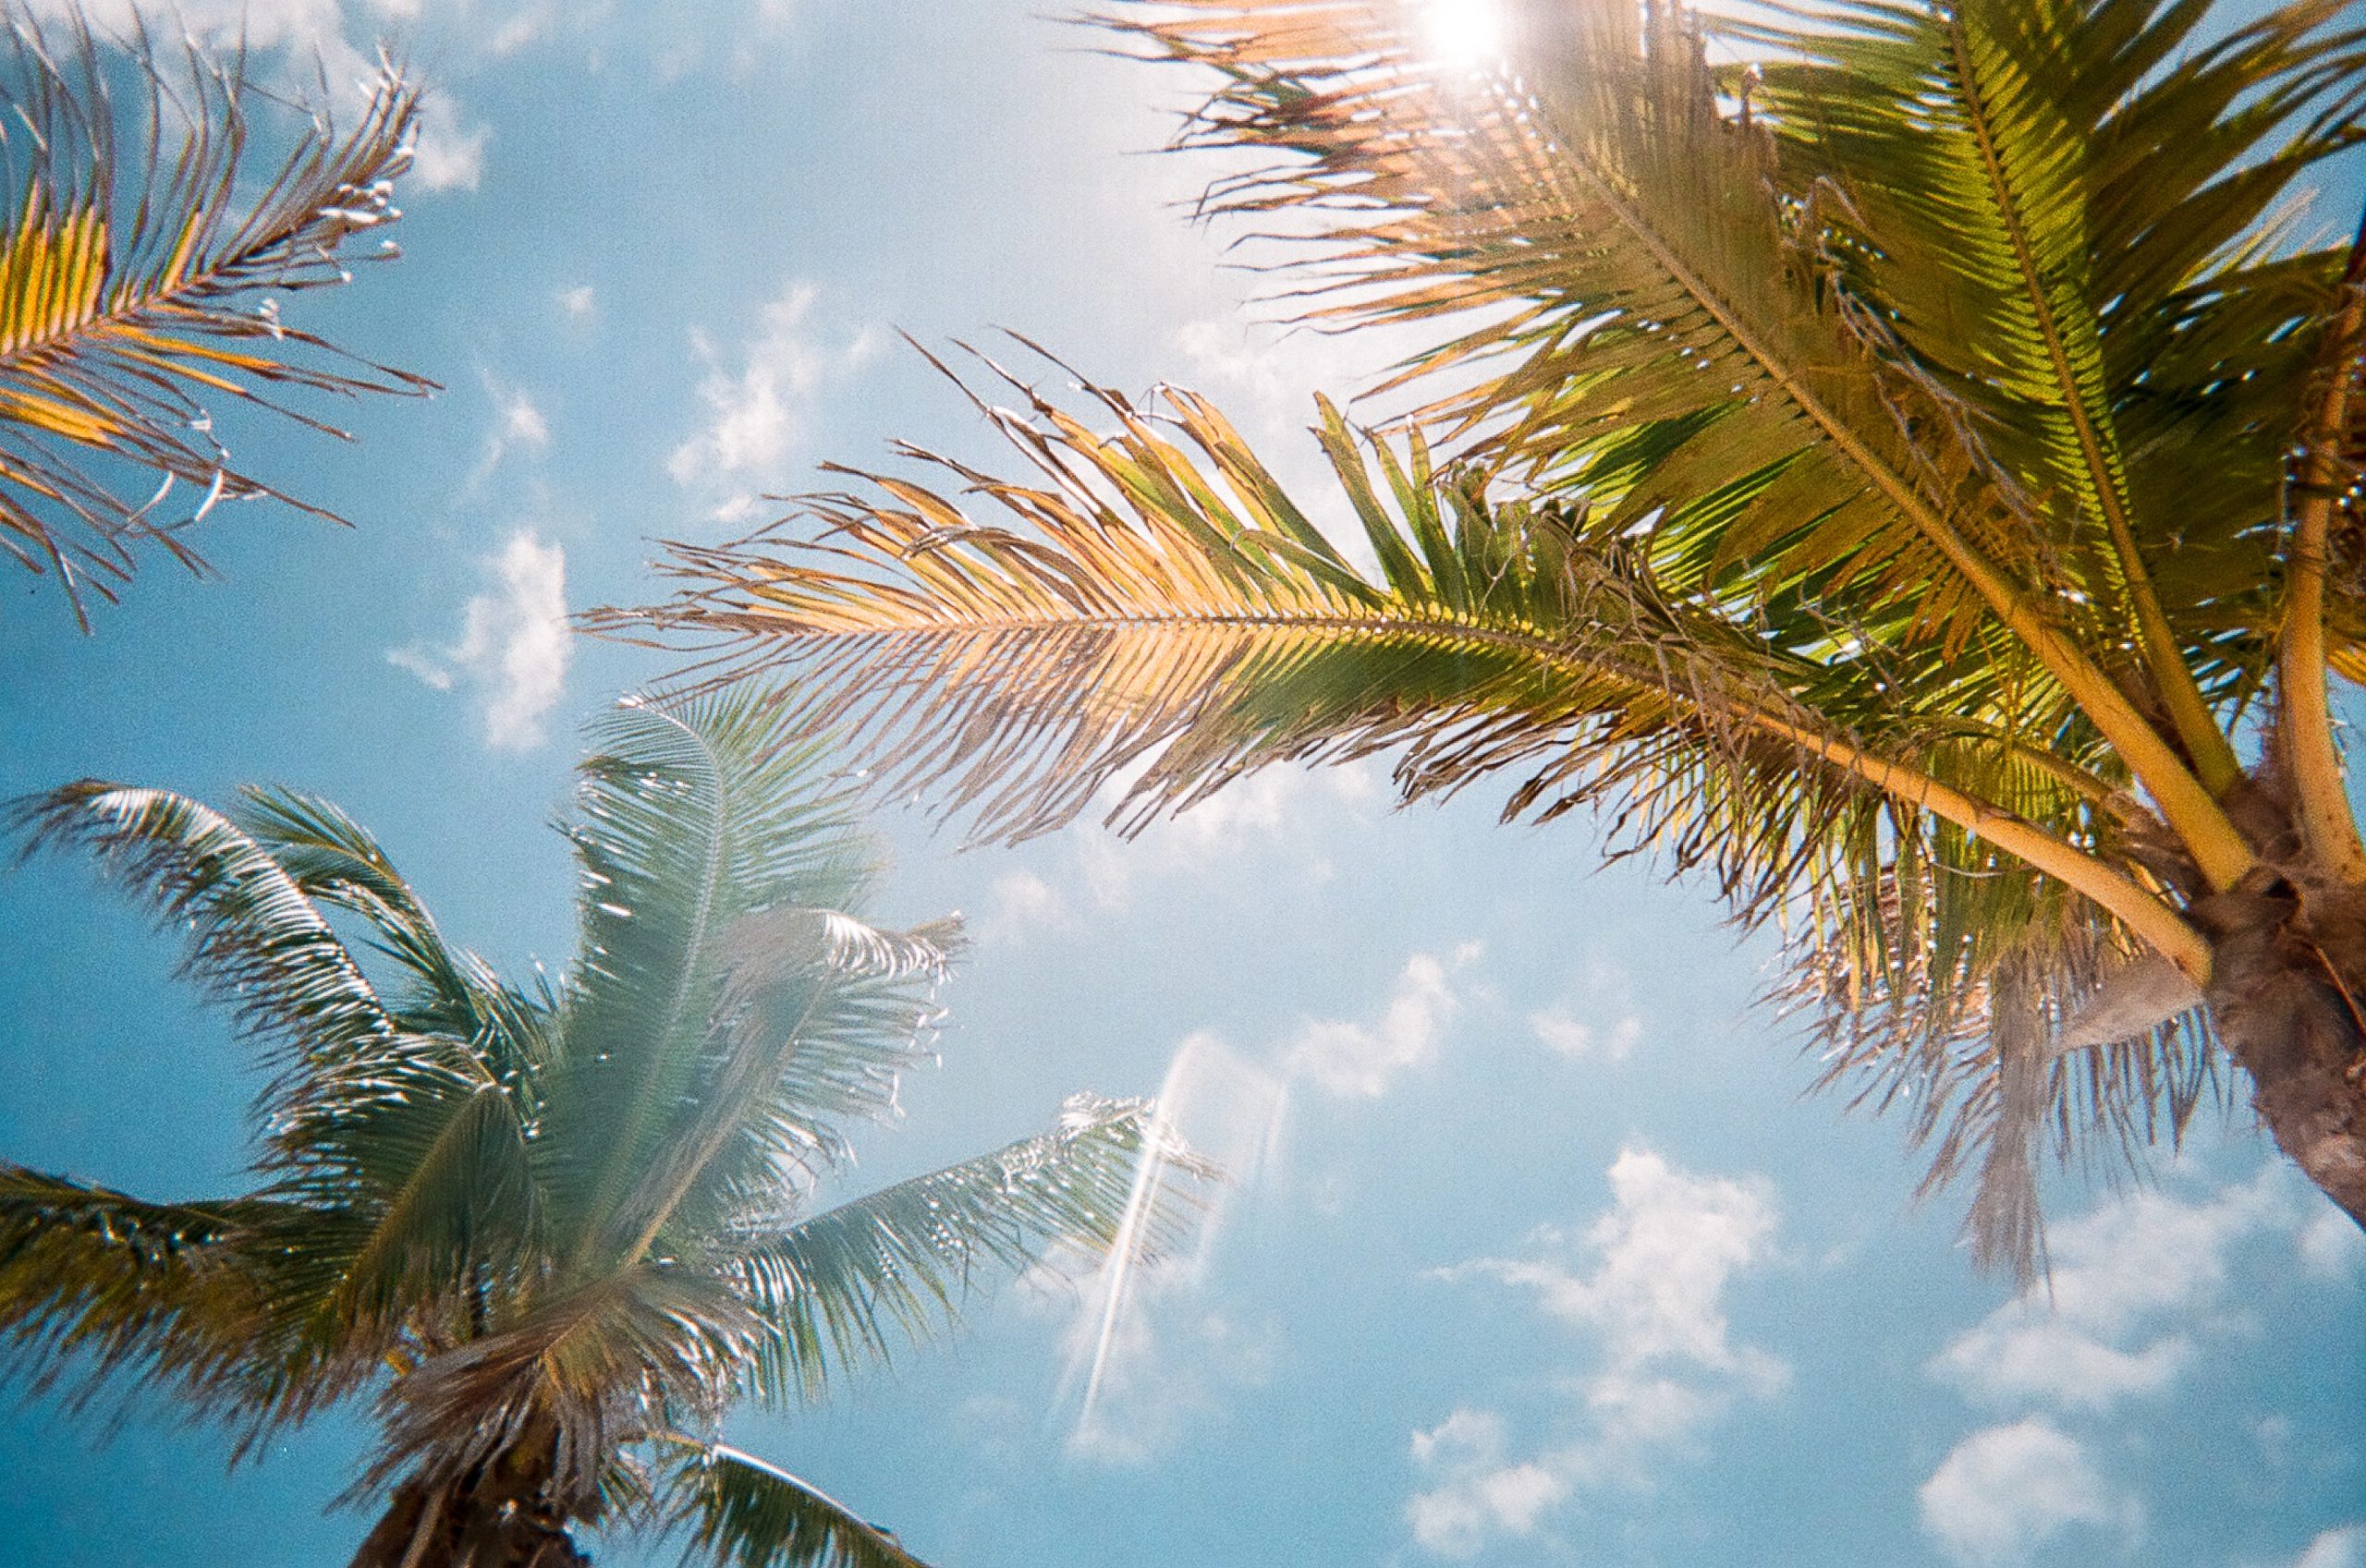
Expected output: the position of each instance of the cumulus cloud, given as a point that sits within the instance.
(1599, 1020)
(756, 398)
(513, 647)
(1645, 1285)
(2331, 1244)
(1482, 1494)
(578, 301)
(311, 43)
(2341, 1548)
(2139, 1289)
(1364, 1059)
(2132, 1285)
(449, 154)
(2006, 1491)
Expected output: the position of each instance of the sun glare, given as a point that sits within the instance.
(1464, 32)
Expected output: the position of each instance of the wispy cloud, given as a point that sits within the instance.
(1645, 1285)
(578, 301)
(1362, 1059)
(1598, 1021)
(757, 396)
(514, 644)
(1272, 812)
(2004, 1492)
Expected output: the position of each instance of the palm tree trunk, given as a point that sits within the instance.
(2288, 994)
(488, 1520)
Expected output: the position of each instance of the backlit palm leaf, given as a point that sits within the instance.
(1157, 607)
(145, 253)
(95, 1282)
(746, 1514)
(831, 1288)
(548, 1229)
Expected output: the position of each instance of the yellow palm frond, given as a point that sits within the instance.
(140, 286)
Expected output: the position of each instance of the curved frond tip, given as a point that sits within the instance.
(147, 250)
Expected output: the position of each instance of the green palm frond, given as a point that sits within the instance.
(1894, 314)
(816, 1014)
(547, 1229)
(120, 1290)
(447, 990)
(746, 1514)
(141, 275)
(255, 943)
(842, 1286)
(691, 822)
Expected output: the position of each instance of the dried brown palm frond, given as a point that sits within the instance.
(147, 246)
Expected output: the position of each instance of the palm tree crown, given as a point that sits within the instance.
(1891, 470)
(559, 1228)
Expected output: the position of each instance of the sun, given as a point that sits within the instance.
(1464, 32)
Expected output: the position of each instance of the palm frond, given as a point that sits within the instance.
(846, 1284)
(746, 1512)
(1158, 608)
(450, 990)
(141, 285)
(691, 820)
(1685, 303)
(816, 1015)
(96, 1282)
(570, 1380)
(254, 941)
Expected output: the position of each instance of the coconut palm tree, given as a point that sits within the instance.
(147, 247)
(1899, 459)
(553, 1230)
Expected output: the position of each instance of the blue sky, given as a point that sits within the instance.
(1533, 1252)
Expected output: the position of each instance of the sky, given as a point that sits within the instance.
(1532, 1249)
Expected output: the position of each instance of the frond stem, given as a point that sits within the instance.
(2191, 809)
(2304, 717)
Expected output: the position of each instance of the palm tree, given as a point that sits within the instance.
(554, 1230)
(141, 267)
(1908, 473)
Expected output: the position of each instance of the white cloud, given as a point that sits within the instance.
(1653, 1305)
(2006, 1491)
(2341, 1548)
(1564, 1033)
(1600, 1020)
(2331, 1244)
(514, 644)
(758, 399)
(1023, 902)
(1271, 808)
(312, 42)
(450, 154)
(2132, 1285)
(1364, 1059)
(1666, 1250)
(578, 301)
(1482, 1494)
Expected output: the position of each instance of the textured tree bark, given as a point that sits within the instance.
(496, 1519)
(2288, 994)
